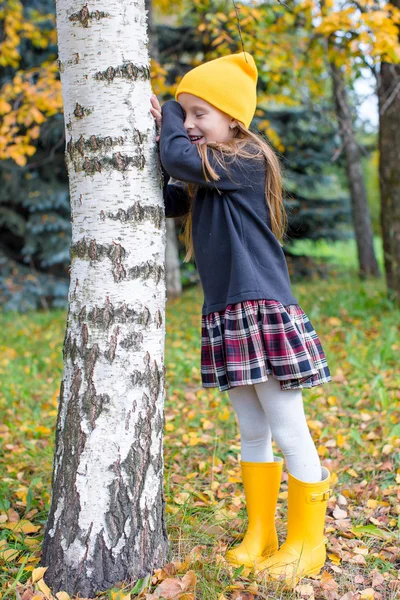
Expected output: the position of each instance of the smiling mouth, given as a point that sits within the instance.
(195, 138)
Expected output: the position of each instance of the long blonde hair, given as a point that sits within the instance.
(258, 148)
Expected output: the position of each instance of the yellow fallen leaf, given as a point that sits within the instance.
(334, 558)
(62, 596)
(9, 554)
(340, 440)
(43, 429)
(181, 497)
(118, 595)
(23, 525)
(31, 542)
(352, 472)
(224, 414)
(44, 588)
(38, 573)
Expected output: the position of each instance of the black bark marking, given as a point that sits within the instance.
(150, 378)
(70, 442)
(145, 316)
(84, 337)
(133, 341)
(94, 404)
(139, 213)
(109, 315)
(81, 112)
(90, 360)
(110, 353)
(82, 315)
(146, 270)
(116, 253)
(158, 319)
(84, 16)
(125, 71)
(91, 154)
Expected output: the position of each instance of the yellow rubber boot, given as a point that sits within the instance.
(303, 553)
(261, 483)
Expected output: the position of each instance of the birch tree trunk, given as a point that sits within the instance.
(106, 523)
(389, 152)
(173, 274)
(368, 265)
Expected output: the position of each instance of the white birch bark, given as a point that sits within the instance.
(106, 522)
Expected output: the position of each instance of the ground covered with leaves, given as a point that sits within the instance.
(354, 421)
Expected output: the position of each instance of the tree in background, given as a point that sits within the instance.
(289, 46)
(173, 276)
(106, 522)
(388, 83)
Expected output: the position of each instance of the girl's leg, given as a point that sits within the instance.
(285, 415)
(255, 433)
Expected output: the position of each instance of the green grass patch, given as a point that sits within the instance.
(353, 421)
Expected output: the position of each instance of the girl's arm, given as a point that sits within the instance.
(176, 198)
(181, 158)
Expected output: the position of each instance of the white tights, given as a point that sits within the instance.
(266, 412)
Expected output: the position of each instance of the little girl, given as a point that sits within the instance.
(257, 343)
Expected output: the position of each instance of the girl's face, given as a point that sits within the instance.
(204, 121)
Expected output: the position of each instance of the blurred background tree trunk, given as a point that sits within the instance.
(368, 264)
(389, 154)
(173, 275)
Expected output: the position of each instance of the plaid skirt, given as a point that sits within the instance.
(253, 339)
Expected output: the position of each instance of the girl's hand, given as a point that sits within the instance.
(156, 112)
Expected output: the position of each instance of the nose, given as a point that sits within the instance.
(188, 125)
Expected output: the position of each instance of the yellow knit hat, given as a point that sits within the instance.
(228, 83)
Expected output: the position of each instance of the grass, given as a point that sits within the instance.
(353, 421)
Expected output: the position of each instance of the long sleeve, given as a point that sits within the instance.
(181, 158)
(176, 198)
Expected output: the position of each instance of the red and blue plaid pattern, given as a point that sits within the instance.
(252, 339)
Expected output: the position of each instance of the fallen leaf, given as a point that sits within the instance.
(13, 516)
(377, 578)
(169, 589)
(189, 581)
(63, 596)
(305, 591)
(327, 582)
(44, 588)
(367, 594)
(23, 526)
(9, 554)
(38, 573)
(339, 513)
